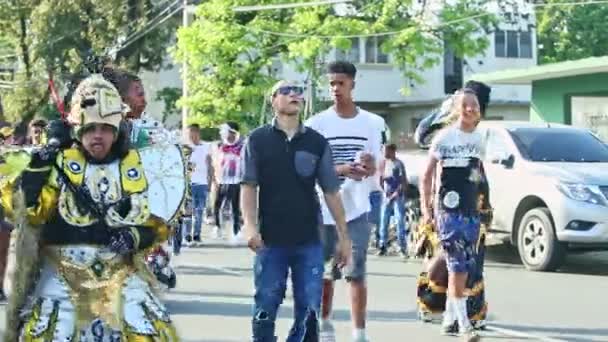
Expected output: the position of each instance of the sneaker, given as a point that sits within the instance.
(469, 335)
(448, 329)
(217, 232)
(188, 238)
(3, 298)
(479, 325)
(403, 253)
(197, 240)
(424, 316)
(327, 333)
(381, 251)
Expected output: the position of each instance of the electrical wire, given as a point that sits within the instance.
(149, 27)
(395, 32)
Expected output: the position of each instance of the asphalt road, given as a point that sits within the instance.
(213, 299)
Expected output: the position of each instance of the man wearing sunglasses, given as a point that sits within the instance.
(283, 162)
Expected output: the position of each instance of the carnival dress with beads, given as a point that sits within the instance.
(71, 286)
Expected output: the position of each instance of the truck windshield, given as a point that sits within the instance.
(559, 145)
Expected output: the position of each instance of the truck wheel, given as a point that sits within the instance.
(538, 246)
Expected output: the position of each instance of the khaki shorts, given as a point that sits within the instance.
(359, 231)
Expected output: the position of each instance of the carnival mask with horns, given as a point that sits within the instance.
(96, 101)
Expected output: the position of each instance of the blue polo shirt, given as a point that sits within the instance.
(286, 172)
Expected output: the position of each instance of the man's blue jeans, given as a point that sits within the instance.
(375, 203)
(271, 266)
(199, 199)
(394, 207)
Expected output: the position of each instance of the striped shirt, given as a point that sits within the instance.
(348, 138)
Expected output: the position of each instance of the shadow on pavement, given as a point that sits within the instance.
(590, 263)
(197, 307)
(555, 331)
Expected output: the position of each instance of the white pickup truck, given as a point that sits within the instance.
(548, 187)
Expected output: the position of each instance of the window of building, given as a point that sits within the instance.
(352, 55)
(452, 71)
(364, 50)
(373, 51)
(513, 44)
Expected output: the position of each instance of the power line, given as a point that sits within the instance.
(167, 17)
(150, 26)
(392, 33)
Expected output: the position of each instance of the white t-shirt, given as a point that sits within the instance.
(348, 137)
(198, 158)
(453, 145)
(381, 126)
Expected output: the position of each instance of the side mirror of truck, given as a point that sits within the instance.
(507, 160)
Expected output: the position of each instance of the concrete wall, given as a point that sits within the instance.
(549, 97)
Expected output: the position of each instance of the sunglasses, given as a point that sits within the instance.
(286, 90)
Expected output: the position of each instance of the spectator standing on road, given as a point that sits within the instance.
(376, 197)
(229, 176)
(284, 161)
(200, 162)
(394, 179)
(455, 159)
(355, 144)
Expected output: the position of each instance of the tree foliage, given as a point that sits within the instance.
(571, 32)
(169, 96)
(56, 36)
(230, 54)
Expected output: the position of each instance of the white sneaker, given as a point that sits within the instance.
(234, 240)
(469, 335)
(217, 232)
(327, 333)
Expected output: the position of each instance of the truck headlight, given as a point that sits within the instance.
(582, 192)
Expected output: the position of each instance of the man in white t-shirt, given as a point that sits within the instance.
(356, 146)
(200, 163)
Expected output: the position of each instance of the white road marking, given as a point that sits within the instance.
(515, 333)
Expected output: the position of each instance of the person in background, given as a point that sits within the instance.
(36, 134)
(6, 133)
(5, 228)
(376, 197)
(228, 177)
(200, 178)
(394, 179)
(282, 163)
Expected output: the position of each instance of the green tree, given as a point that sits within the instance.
(54, 37)
(571, 32)
(169, 96)
(230, 54)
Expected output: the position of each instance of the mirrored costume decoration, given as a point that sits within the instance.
(72, 282)
(432, 282)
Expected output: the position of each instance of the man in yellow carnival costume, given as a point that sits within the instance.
(83, 220)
